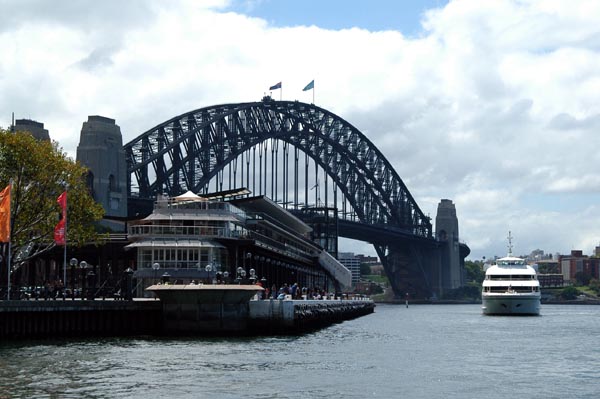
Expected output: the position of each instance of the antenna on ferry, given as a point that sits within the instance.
(509, 244)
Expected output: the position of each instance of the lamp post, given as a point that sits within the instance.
(225, 277)
(91, 282)
(82, 266)
(208, 269)
(155, 267)
(128, 283)
(252, 276)
(73, 264)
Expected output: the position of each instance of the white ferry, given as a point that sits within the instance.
(511, 287)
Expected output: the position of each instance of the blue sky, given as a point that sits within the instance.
(372, 15)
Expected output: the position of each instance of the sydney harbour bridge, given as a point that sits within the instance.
(310, 161)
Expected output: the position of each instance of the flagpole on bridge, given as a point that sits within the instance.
(310, 86)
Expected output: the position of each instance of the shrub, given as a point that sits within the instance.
(569, 293)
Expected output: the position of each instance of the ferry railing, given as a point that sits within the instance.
(181, 231)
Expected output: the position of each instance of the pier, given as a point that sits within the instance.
(79, 318)
(179, 310)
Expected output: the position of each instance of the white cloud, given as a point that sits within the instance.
(496, 102)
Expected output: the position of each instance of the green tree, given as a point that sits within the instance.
(582, 278)
(39, 171)
(365, 269)
(595, 285)
(569, 293)
(474, 271)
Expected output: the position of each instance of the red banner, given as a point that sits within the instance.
(62, 202)
(60, 235)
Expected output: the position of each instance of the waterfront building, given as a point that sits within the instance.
(576, 263)
(224, 239)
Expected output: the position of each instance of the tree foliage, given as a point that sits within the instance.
(595, 285)
(365, 269)
(474, 271)
(582, 278)
(569, 293)
(39, 171)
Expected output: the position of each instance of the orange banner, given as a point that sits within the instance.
(5, 214)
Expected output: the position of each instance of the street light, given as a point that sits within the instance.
(155, 267)
(73, 263)
(225, 276)
(252, 275)
(208, 269)
(82, 266)
(91, 283)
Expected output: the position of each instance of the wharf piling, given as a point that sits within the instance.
(180, 310)
(207, 309)
(57, 318)
(291, 316)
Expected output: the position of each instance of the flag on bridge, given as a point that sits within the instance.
(310, 86)
(276, 86)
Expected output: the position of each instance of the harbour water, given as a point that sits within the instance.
(423, 351)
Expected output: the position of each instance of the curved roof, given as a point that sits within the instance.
(188, 196)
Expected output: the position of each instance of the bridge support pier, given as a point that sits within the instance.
(424, 270)
(413, 270)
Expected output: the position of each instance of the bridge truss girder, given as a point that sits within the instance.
(186, 152)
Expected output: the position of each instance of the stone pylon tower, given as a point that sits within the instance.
(35, 128)
(446, 231)
(100, 149)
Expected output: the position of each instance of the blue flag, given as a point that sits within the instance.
(309, 86)
(275, 87)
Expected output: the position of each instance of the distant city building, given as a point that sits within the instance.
(537, 255)
(576, 263)
(35, 128)
(352, 263)
(370, 260)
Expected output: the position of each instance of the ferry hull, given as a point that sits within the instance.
(510, 305)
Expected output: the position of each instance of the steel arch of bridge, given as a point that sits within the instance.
(186, 152)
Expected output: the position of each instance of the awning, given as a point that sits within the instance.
(188, 196)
